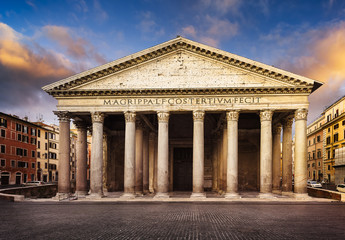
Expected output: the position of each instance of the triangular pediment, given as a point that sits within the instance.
(182, 64)
(182, 69)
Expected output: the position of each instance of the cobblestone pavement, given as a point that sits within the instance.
(90, 220)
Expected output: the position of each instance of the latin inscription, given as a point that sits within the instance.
(182, 101)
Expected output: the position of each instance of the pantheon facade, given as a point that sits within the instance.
(183, 116)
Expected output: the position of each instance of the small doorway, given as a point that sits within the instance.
(183, 169)
(5, 178)
(18, 178)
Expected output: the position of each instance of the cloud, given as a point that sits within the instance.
(148, 26)
(74, 47)
(317, 54)
(221, 6)
(212, 31)
(26, 66)
(100, 13)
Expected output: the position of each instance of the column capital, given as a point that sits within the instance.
(288, 121)
(163, 116)
(198, 115)
(130, 116)
(80, 124)
(277, 128)
(64, 116)
(301, 114)
(232, 115)
(97, 117)
(266, 115)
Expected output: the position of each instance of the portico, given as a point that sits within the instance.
(185, 116)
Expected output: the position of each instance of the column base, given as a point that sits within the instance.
(284, 193)
(128, 195)
(139, 194)
(302, 196)
(80, 194)
(161, 195)
(198, 195)
(266, 195)
(232, 195)
(62, 196)
(95, 196)
(277, 191)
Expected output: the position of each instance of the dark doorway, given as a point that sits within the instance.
(183, 169)
(5, 178)
(18, 178)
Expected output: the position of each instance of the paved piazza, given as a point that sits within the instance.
(244, 220)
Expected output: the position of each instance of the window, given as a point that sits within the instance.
(19, 152)
(318, 153)
(343, 123)
(3, 149)
(46, 146)
(22, 164)
(25, 129)
(38, 165)
(328, 117)
(46, 135)
(3, 133)
(38, 144)
(313, 140)
(33, 141)
(3, 122)
(13, 163)
(336, 113)
(308, 165)
(25, 139)
(45, 155)
(45, 165)
(309, 143)
(319, 164)
(329, 167)
(38, 154)
(18, 127)
(313, 156)
(3, 162)
(336, 126)
(52, 155)
(328, 140)
(33, 165)
(335, 137)
(19, 137)
(313, 165)
(25, 153)
(328, 154)
(33, 154)
(33, 132)
(318, 138)
(329, 129)
(39, 133)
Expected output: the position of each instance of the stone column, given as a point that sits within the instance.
(151, 161)
(220, 162)
(232, 156)
(287, 156)
(146, 162)
(163, 155)
(214, 165)
(129, 171)
(276, 155)
(266, 154)
(198, 155)
(224, 158)
(64, 184)
(139, 158)
(81, 159)
(96, 166)
(300, 187)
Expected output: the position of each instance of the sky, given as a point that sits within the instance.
(45, 41)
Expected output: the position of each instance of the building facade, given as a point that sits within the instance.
(334, 132)
(184, 116)
(18, 141)
(315, 149)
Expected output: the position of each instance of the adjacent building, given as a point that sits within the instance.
(315, 149)
(18, 139)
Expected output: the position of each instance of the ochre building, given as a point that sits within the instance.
(183, 116)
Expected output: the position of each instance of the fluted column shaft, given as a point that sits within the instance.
(224, 157)
(129, 171)
(276, 154)
(266, 152)
(64, 185)
(198, 154)
(163, 155)
(301, 152)
(287, 155)
(151, 161)
(232, 156)
(139, 158)
(214, 166)
(96, 166)
(81, 157)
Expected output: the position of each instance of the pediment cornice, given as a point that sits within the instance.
(180, 44)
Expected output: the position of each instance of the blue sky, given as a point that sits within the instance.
(45, 41)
